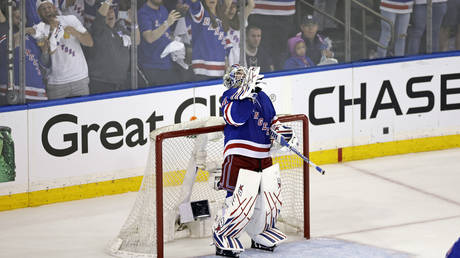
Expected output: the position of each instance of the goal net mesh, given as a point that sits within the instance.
(182, 147)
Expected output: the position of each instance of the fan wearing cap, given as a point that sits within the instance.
(317, 45)
(64, 34)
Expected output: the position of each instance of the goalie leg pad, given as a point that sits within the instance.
(262, 228)
(236, 212)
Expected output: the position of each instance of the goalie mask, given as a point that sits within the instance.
(235, 76)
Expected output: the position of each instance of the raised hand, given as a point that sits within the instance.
(173, 17)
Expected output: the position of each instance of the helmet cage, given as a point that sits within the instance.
(235, 77)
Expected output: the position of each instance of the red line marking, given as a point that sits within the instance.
(339, 154)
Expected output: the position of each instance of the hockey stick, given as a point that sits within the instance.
(279, 138)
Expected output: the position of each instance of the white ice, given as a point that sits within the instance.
(397, 206)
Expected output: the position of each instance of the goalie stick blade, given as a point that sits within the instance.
(262, 247)
(226, 253)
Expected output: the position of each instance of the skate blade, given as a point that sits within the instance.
(227, 253)
(262, 247)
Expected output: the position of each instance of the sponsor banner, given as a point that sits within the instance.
(106, 139)
(379, 103)
(14, 160)
(406, 100)
(109, 139)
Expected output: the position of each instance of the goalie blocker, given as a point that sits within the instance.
(254, 208)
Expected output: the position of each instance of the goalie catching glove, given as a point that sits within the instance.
(287, 133)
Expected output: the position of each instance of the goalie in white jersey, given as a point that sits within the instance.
(252, 182)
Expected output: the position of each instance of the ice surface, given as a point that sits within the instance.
(322, 247)
(397, 206)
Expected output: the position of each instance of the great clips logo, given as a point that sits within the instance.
(83, 137)
(112, 135)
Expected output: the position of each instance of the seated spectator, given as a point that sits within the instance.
(109, 58)
(63, 34)
(298, 58)
(276, 19)
(154, 23)
(256, 56)
(317, 45)
(398, 13)
(419, 18)
(451, 22)
(35, 87)
(208, 39)
(233, 33)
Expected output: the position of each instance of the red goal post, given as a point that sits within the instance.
(138, 236)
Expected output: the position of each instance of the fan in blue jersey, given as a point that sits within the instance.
(208, 38)
(34, 85)
(248, 173)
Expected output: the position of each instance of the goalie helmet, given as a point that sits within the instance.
(235, 76)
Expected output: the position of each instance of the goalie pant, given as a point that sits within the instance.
(234, 163)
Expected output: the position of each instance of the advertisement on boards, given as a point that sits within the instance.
(106, 139)
(13, 152)
(380, 103)
(406, 100)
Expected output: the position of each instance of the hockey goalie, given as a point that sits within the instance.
(252, 181)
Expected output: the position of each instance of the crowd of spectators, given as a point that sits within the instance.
(81, 47)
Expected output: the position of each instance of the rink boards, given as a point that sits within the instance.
(97, 145)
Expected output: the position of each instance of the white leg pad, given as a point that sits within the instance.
(237, 212)
(262, 228)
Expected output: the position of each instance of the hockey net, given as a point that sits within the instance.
(172, 177)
